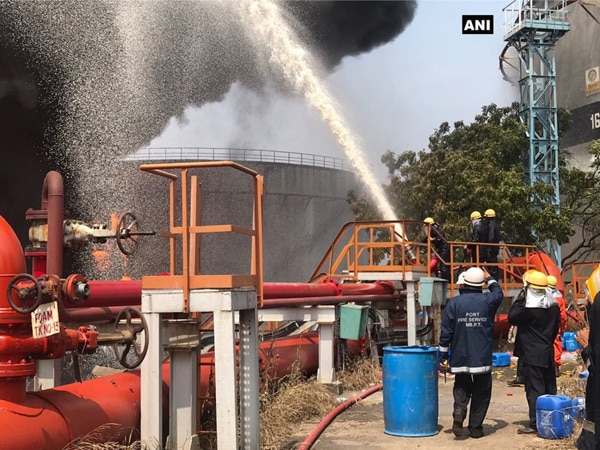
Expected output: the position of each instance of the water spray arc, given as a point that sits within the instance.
(298, 69)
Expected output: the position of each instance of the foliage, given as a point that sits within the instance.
(581, 191)
(470, 167)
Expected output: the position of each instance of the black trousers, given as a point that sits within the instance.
(492, 258)
(476, 389)
(538, 381)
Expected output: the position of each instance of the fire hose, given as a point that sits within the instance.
(320, 428)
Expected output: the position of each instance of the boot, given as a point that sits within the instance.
(457, 425)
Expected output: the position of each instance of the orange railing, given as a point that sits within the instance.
(385, 247)
(574, 275)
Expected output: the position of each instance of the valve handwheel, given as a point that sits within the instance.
(127, 232)
(130, 331)
(24, 293)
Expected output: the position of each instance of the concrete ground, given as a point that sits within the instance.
(362, 425)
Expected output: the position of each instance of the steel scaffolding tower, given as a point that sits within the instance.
(533, 27)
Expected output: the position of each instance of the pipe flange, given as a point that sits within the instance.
(17, 369)
(76, 289)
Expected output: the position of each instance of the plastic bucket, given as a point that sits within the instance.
(554, 418)
(500, 359)
(569, 343)
(410, 390)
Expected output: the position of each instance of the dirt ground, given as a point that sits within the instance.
(362, 425)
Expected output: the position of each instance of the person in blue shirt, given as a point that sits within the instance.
(467, 328)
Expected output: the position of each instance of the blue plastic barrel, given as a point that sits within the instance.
(410, 390)
(553, 415)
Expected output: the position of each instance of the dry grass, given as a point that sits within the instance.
(290, 401)
(295, 400)
(360, 374)
(109, 436)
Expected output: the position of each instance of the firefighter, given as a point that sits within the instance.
(494, 236)
(467, 328)
(562, 305)
(475, 251)
(440, 261)
(512, 333)
(537, 317)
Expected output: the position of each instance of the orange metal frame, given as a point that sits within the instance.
(575, 275)
(392, 246)
(191, 232)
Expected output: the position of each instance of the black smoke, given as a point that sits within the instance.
(76, 91)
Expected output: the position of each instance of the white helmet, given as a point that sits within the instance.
(474, 276)
(461, 278)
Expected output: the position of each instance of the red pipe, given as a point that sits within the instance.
(318, 430)
(12, 262)
(53, 418)
(93, 314)
(53, 201)
(291, 302)
(327, 288)
(112, 293)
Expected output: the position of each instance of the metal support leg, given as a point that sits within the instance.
(411, 315)
(151, 386)
(183, 345)
(326, 373)
(249, 382)
(225, 371)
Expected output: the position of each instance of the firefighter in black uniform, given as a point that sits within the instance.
(538, 318)
(441, 247)
(477, 252)
(494, 236)
(467, 328)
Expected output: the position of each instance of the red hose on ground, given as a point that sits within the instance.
(318, 430)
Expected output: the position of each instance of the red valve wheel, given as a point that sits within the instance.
(24, 299)
(130, 332)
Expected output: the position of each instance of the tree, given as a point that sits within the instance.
(474, 167)
(581, 193)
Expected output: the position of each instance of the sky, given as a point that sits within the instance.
(393, 98)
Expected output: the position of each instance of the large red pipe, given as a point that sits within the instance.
(51, 419)
(108, 407)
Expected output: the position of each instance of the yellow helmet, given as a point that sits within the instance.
(537, 280)
(475, 215)
(429, 220)
(552, 281)
(489, 213)
(526, 274)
